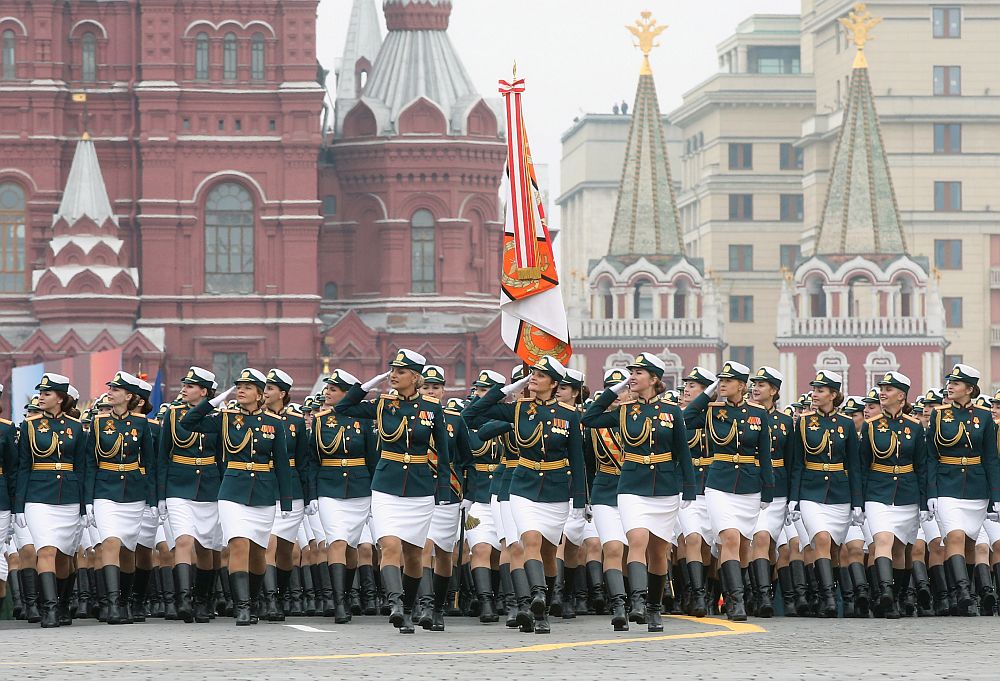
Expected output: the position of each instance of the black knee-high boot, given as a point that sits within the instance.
(63, 608)
(862, 596)
(654, 601)
(679, 575)
(846, 590)
(410, 587)
(960, 577)
(906, 597)
(522, 590)
(535, 572)
(483, 582)
(83, 593)
(338, 587)
(595, 582)
(368, 592)
(204, 582)
(48, 599)
(140, 589)
(732, 583)
(272, 607)
(29, 582)
(616, 595)
(638, 581)
(112, 580)
(762, 572)
(239, 584)
(441, 592)
(14, 581)
(696, 577)
(509, 597)
(921, 585)
(787, 590)
(887, 597)
(824, 578)
(564, 586)
(392, 584)
(324, 589)
(984, 587)
(425, 599)
(939, 586)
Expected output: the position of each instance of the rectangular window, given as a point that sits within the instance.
(272, 124)
(742, 354)
(740, 156)
(12, 239)
(789, 255)
(947, 138)
(947, 81)
(791, 207)
(238, 125)
(952, 312)
(947, 196)
(741, 309)
(948, 254)
(227, 367)
(774, 60)
(951, 360)
(947, 22)
(186, 124)
(791, 157)
(741, 258)
(221, 124)
(741, 206)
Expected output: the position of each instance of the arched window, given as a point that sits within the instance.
(88, 60)
(9, 55)
(330, 290)
(817, 297)
(229, 57)
(12, 238)
(201, 56)
(229, 222)
(680, 300)
(422, 251)
(642, 301)
(906, 297)
(607, 300)
(257, 62)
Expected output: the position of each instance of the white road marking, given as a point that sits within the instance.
(311, 630)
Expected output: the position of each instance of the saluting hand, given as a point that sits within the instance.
(374, 382)
(710, 390)
(221, 399)
(619, 388)
(516, 386)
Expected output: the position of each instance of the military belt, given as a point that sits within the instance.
(193, 460)
(486, 467)
(342, 463)
(649, 458)
(734, 458)
(248, 466)
(777, 463)
(610, 470)
(702, 462)
(543, 465)
(892, 470)
(404, 458)
(813, 466)
(118, 467)
(58, 466)
(960, 460)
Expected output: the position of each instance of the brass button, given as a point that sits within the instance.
(343, 462)
(197, 461)
(121, 467)
(253, 475)
(122, 477)
(736, 458)
(405, 466)
(965, 460)
(58, 477)
(895, 478)
(58, 466)
(249, 465)
(826, 477)
(198, 472)
(826, 467)
(541, 474)
(345, 474)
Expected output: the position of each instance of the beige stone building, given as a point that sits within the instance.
(756, 141)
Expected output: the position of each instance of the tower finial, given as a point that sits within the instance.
(646, 31)
(860, 22)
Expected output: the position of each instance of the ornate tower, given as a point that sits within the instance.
(857, 291)
(646, 293)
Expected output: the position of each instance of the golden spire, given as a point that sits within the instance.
(646, 30)
(859, 22)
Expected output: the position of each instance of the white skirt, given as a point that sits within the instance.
(22, 537)
(784, 535)
(732, 511)
(656, 514)
(197, 519)
(546, 517)
(315, 524)
(832, 518)
(860, 533)
(93, 535)
(344, 519)
(967, 515)
(367, 537)
(511, 535)
(54, 525)
(444, 529)
(304, 536)
(119, 521)
(4, 568)
(288, 528)
(486, 531)
(87, 540)
(608, 523)
(147, 533)
(694, 520)
(930, 530)
(772, 518)
(6, 518)
(408, 518)
(901, 521)
(992, 528)
(578, 530)
(246, 522)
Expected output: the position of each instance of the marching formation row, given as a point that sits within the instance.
(529, 499)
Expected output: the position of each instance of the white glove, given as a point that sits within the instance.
(996, 507)
(925, 516)
(619, 388)
(285, 514)
(710, 390)
(995, 517)
(161, 509)
(374, 382)
(466, 504)
(312, 508)
(92, 522)
(764, 504)
(516, 386)
(576, 513)
(588, 513)
(84, 521)
(221, 399)
(20, 520)
(857, 516)
(794, 514)
(685, 503)
(932, 506)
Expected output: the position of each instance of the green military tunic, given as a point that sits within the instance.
(460, 445)
(253, 450)
(656, 461)
(189, 467)
(826, 467)
(299, 455)
(122, 466)
(962, 459)
(405, 427)
(52, 462)
(738, 442)
(893, 455)
(484, 468)
(782, 425)
(606, 448)
(346, 455)
(8, 464)
(694, 419)
(549, 440)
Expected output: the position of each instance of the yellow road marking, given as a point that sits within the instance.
(726, 628)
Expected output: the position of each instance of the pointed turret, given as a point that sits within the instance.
(646, 220)
(860, 215)
(364, 39)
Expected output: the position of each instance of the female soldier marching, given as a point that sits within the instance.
(893, 463)
(656, 472)
(252, 444)
(550, 471)
(963, 475)
(404, 487)
(826, 479)
(121, 477)
(50, 498)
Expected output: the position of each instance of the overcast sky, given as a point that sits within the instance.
(575, 55)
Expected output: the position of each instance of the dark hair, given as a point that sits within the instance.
(133, 402)
(907, 407)
(584, 394)
(659, 387)
(67, 404)
(838, 398)
(976, 392)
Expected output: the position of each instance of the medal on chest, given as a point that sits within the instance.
(635, 411)
(532, 410)
(109, 428)
(238, 421)
(43, 426)
(813, 423)
(883, 426)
